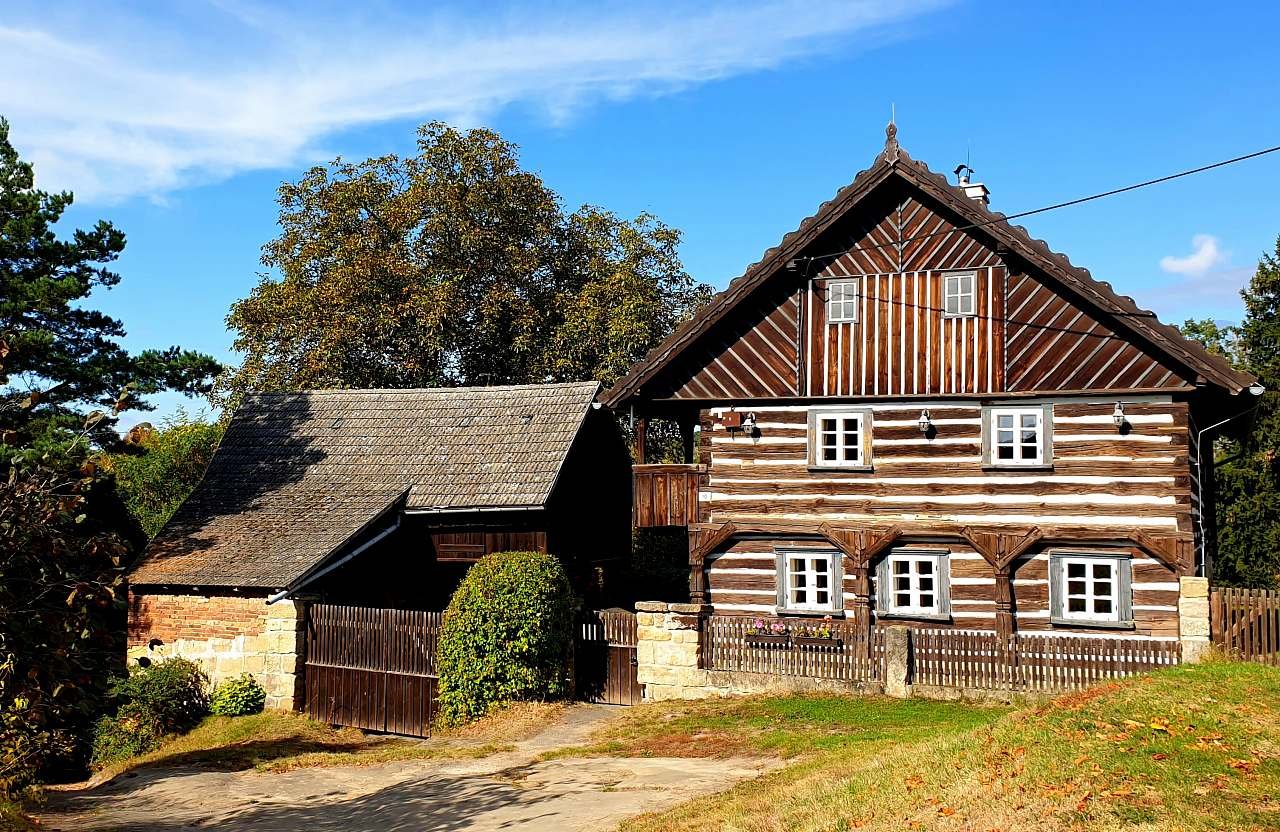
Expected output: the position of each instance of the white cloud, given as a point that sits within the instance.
(1207, 255)
(113, 107)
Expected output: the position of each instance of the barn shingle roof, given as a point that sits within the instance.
(298, 476)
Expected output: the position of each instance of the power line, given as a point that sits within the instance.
(1158, 180)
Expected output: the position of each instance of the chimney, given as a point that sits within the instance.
(974, 190)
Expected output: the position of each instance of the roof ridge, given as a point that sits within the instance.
(330, 391)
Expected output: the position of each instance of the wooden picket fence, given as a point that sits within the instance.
(964, 659)
(1027, 662)
(852, 654)
(1246, 623)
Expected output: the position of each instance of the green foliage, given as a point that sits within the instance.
(162, 467)
(60, 615)
(240, 696)
(1248, 478)
(453, 266)
(1217, 337)
(56, 354)
(132, 731)
(168, 697)
(506, 636)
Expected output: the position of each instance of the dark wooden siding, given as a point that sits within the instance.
(754, 356)
(1056, 345)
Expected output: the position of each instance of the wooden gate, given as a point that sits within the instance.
(1246, 622)
(372, 668)
(605, 658)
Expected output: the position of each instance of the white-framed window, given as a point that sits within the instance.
(1018, 436)
(809, 580)
(915, 584)
(839, 438)
(842, 301)
(958, 294)
(1091, 589)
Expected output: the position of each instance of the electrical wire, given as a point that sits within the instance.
(1078, 201)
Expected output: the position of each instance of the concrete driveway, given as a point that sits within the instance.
(506, 791)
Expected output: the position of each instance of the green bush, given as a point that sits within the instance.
(174, 691)
(240, 696)
(506, 635)
(132, 731)
(168, 697)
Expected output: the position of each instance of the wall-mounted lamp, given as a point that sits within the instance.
(749, 424)
(1117, 415)
(924, 423)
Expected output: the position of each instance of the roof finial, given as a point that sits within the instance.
(891, 134)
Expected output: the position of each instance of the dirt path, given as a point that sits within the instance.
(506, 791)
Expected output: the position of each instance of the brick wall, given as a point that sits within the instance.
(227, 634)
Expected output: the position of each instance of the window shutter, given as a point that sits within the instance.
(813, 437)
(782, 580)
(1056, 587)
(988, 455)
(944, 585)
(1046, 436)
(1124, 589)
(882, 586)
(837, 581)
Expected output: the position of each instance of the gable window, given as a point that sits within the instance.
(1091, 589)
(914, 584)
(1018, 436)
(809, 580)
(958, 294)
(839, 438)
(842, 301)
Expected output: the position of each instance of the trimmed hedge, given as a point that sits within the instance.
(506, 636)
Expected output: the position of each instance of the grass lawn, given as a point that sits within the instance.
(1191, 748)
(276, 741)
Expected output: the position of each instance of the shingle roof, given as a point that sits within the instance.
(893, 160)
(298, 475)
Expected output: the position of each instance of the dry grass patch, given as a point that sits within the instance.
(276, 741)
(1192, 748)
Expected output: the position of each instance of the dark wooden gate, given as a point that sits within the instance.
(1246, 622)
(372, 668)
(605, 658)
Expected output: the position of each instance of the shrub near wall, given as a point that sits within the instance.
(506, 635)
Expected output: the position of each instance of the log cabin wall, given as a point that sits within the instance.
(742, 580)
(1100, 477)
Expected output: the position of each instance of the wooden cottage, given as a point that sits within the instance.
(910, 410)
(377, 499)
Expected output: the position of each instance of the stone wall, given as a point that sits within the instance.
(1193, 617)
(227, 634)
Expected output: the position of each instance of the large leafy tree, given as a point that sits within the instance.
(452, 266)
(60, 360)
(1247, 481)
(64, 534)
(158, 469)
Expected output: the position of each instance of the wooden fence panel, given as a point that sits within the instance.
(605, 666)
(372, 668)
(852, 655)
(1246, 622)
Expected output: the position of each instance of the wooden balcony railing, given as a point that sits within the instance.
(665, 495)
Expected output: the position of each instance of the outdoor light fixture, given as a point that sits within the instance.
(1117, 415)
(749, 424)
(924, 422)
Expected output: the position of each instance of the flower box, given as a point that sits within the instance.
(768, 639)
(817, 641)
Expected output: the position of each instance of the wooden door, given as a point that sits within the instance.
(605, 658)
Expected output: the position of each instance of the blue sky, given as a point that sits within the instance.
(730, 121)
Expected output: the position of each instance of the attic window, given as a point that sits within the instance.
(842, 301)
(958, 294)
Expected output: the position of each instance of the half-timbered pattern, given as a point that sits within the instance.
(910, 411)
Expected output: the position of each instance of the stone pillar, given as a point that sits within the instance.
(1193, 617)
(669, 650)
(897, 661)
(285, 637)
